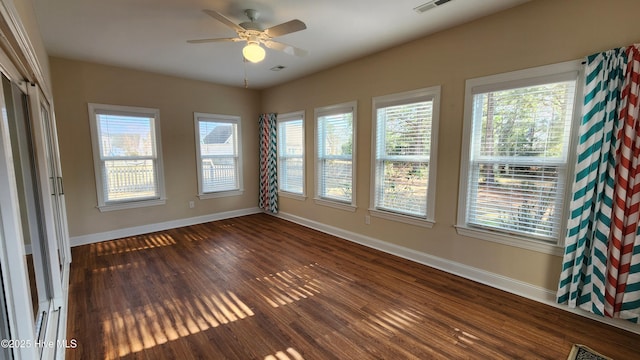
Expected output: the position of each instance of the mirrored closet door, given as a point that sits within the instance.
(33, 219)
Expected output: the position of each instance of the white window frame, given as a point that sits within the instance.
(408, 97)
(348, 107)
(282, 119)
(218, 118)
(103, 205)
(570, 70)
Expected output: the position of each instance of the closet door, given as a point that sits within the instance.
(52, 190)
(30, 209)
(22, 319)
(33, 222)
(64, 247)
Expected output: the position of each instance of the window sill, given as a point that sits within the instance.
(407, 219)
(286, 194)
(220, 194)
(511, 240)
(131, 205)
(335, 204)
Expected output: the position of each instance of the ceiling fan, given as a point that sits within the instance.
(254, 34)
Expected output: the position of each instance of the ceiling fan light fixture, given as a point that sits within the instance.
(256, 35)
(253, 52)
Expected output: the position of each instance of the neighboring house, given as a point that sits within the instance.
(218, 141)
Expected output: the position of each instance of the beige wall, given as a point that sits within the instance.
(538, 33)
(77, 83)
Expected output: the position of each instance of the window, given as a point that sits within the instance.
(127, 156)
(218, 150)
(335, 158)
(291, 154)
(404, 138)
(515, 163)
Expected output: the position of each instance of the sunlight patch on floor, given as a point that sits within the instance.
(465, 337)
(228, 250)
(112, 268)
(197, 232)
(133, 243)
(288, 286)
(389, 322)
(137, 329)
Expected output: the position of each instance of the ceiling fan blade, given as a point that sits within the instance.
(223, 19)
(291, 50)
(201, 41)
(285, 28)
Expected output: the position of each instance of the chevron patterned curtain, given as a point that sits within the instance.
(268, 167)
(601, 266)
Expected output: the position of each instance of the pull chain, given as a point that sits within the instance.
(244, 66)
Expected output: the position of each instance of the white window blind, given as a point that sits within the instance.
(291, 153)
(126, 153)
(518, 158)
(218, 153)
(335, 139)
(402, 157)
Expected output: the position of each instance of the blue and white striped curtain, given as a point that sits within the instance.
(601, 266)
(268, 166)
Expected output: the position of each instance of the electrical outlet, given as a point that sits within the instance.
(192, 204)
(367, 219)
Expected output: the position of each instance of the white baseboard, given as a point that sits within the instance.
(498, 281)
(145, 229)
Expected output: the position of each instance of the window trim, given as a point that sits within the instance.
(283, 118)
(232, 119)
(425, 94)
(154, 113)
(351, 106)
(514, 79)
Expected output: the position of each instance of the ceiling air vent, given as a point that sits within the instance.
(430, 5)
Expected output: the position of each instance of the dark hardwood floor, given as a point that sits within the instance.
(258, 287)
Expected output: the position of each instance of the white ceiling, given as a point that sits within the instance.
(151, 34)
